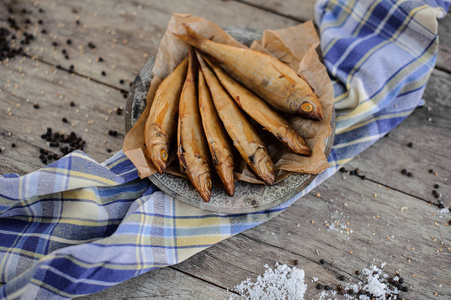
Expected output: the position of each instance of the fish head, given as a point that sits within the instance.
(202, 182)
(226, 172)
(263, 165)
(159, 154)
(306, 105)
(298, 145)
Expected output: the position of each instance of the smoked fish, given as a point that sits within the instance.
(217, 137)
(192, 147)
(161, 123)
(266, 76)
(245, 138)
(261, 112)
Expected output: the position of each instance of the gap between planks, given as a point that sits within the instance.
(271, 11)
(204, 280)
(59, 67)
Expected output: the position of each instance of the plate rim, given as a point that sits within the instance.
(205, 205)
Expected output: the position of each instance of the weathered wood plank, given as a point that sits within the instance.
(384, 161)
(53, 90)
(444, 49)
(164, 283)
(406, 222)
(125, 33)
(296, 10)
(304, 10)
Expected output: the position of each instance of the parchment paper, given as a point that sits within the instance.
(294, 46)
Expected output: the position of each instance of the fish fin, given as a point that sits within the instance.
(303, 78)
(290, 79)
(191, 37)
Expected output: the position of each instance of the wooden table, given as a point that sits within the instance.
(393, 217)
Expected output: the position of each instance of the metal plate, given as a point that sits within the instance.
(248, 197)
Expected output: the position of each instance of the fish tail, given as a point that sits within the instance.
(191, 37)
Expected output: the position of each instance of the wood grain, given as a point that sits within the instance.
(401, 214)
(164, 283)
(123, 33)
(53, 90)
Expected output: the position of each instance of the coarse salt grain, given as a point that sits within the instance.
(282, 282)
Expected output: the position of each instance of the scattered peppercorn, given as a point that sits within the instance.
(405, 289)
(41, 10)
(103, 73)
(437, 195)
(112, 132)
(119, 111)
(322, 261)
(13, 145)
(121, 81)
(410, 145)
(296, 262)
(409, 174)
(431, 171)
(72, 104)
(36, 105)
(64, 51)
(44, 160)
(66, 56)
(64, 120)
(69, 42)
(100, 59)
(404, 171)
(108, 150)
(401, 280)
(441, 206)
(434, 192)
(327, 288)
(357, 272)
(342, 278)
(54, 44)
(319, 286)
(436, 186)
(43, 31)
(40, 22)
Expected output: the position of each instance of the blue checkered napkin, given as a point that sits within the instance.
(77, 227)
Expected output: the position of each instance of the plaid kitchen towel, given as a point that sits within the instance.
(77, 227)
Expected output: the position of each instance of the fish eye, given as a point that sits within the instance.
(208, 182)
(164, 155)
(269, 165)
(307, 107)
